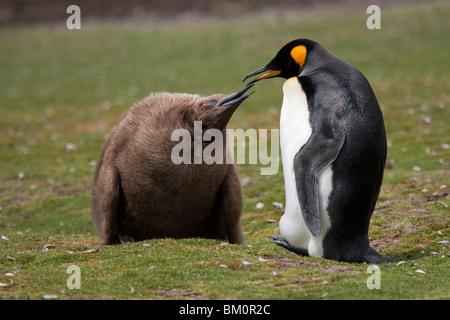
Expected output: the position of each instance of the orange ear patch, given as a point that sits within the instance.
(299, 55)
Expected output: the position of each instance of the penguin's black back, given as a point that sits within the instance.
(340, 90)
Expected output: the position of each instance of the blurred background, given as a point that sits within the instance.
(32, 11)
(62, 91)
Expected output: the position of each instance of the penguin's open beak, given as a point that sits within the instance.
(270, 74)
(236, 99)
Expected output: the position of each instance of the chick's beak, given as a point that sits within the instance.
(270, 74)
(229, 105)
(237, 98)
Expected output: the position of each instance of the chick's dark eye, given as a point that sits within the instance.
(213, 101)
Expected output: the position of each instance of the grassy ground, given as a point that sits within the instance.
(62, 91)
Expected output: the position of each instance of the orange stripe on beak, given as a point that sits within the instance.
(270, 74)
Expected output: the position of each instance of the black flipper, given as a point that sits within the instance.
(321, 150)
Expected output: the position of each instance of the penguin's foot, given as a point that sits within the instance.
(283, 243)
(372, 256)
(124, 238)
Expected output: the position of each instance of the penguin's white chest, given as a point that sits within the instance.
(295, 130)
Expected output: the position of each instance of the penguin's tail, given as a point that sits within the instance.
(373, 256)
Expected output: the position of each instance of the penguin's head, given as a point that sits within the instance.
(288, 62)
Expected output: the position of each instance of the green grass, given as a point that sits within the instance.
(62, 91)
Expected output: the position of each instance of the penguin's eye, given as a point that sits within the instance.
(213, 101)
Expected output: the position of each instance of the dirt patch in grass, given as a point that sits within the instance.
(394, 238)
(284, 262)
(436, 196)
(395, 211)
(177, 293)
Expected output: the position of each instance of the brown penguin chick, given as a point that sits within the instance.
(140, 193)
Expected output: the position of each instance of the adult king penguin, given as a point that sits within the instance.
(333, 148)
